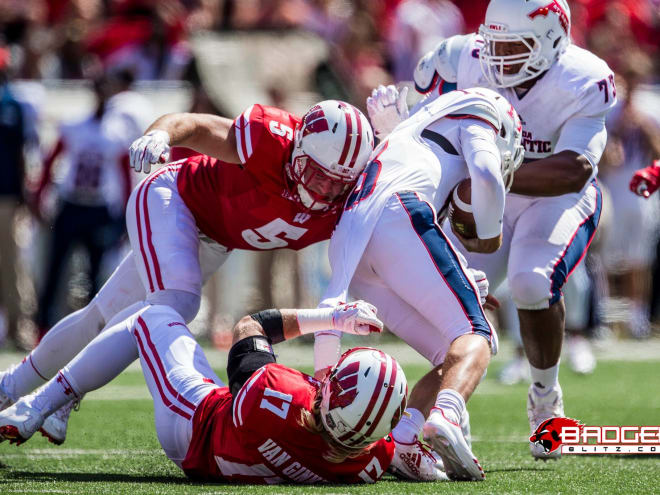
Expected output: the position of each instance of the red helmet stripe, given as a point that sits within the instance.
(372, 401)
(358, 141)
(349, 133)
(386, 400)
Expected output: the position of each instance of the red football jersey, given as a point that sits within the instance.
(249, 206)
(258, 437)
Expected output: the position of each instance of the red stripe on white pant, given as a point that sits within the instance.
(142, 210)
(160, 376)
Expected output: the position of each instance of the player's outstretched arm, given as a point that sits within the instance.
(204, 133)
(357, 318)
(253, 334)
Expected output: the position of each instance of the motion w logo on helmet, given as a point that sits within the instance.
(344, 386)
(555, 7)
(314, 121)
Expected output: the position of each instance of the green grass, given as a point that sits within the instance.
(112, 447)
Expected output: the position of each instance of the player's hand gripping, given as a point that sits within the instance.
(150, 149)
(647, 180)
(487, 301)
(358, 318)
(387, 108)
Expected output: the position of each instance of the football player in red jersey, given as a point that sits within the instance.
(646, 181)
(272, 424)
(266, 180)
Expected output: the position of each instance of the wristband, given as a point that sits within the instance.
(314, 320)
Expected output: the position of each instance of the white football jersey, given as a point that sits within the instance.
(564, 110)
(91, 162)
(410, 159)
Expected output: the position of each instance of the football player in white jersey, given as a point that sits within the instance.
(389, 248)
(562, 93)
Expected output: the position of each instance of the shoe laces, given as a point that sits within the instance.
(63, 412)
(426, 451)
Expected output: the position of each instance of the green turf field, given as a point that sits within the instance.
(112, 447)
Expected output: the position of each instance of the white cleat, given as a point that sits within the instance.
(22, 420)
(448, 441)
(465, 427)
(416, 461)
(55, 425)
(542, 405)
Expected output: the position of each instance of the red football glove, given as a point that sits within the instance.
(646, 181)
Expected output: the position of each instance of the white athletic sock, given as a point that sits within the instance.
(22, 379)
(452, 405)
(66, 339)
(58, 391)
(545, 380)
(408, 428)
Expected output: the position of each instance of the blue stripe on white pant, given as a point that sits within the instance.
(576, 248)
(422, 217)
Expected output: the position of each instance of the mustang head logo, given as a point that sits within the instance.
(548, 433)
(555, 7)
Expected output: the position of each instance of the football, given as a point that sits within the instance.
(460, 210)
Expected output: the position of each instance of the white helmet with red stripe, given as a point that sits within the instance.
(541, 28)
(363, 397)
(331, 149)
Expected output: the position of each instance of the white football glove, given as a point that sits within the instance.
(150, 149)
(482, 284)
(387, 108)
(358, 318)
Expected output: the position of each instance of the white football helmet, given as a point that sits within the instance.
(496, 110)
(363, 397)
(542, 26)
(331, 149)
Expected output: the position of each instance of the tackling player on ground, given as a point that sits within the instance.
(562, 93)
(389, 248)
(272, 424)
(266, 180)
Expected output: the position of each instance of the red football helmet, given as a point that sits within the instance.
(332, 147)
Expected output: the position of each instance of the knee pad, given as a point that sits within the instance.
(185, 303)
(530, 290)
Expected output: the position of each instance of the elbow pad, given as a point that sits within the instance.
(245, 357)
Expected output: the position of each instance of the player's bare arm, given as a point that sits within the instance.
(205, 133)
(561, 173)
(358, 318)
(209, 134)
(476, 245)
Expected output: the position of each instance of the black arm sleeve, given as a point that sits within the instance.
(245, 357)
(272, 324)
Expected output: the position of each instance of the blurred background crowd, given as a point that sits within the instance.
(81, 79)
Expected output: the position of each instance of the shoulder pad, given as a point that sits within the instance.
(441, 62)
(480, 111)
